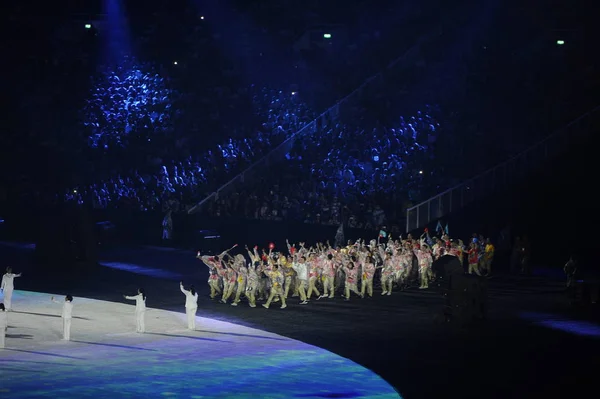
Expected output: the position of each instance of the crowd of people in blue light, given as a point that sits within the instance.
(180, 178)
(359, 176)
(163, 148)
(131, 100)
(357, 171)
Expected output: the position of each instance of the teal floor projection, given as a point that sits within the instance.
(105, 359)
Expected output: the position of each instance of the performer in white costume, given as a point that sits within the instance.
(140, 310)
(301, 269)
(67, 315)
(191, 305)
(3, 326)
(7, 287)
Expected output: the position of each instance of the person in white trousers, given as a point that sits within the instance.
(3, 326)
(67, 315)
(301, 269)
(191, 305)
(140, 310)
(8, 286)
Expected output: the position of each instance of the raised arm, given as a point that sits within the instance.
(207, 260)
(289, 246)
(252, 256)
(381, 252)
(182, 289)
(226, 251)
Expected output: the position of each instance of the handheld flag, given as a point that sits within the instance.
(438, 227)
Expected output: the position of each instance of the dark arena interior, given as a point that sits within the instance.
(299, 199)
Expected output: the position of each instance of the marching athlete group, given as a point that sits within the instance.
(321, 271)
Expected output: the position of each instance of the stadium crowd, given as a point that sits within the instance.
(132, 97)
(359, 170)
(359, 176)
(173, 176)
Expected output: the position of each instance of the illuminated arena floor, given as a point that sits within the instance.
(219, 360)
(534, 344)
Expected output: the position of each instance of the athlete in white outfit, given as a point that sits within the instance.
(301, 269)
(191, 305)
(67, 315)
(3, 325)
(8, 287)
(140, 310)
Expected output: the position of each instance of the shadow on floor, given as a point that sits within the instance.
(243, 335)
(116, 346)
(49, 315)
(28, 371)
(35, 362)
(187, 336)
(331, 395)
(19, 336)
(45, 354)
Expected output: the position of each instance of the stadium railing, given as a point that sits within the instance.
(502, 175)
